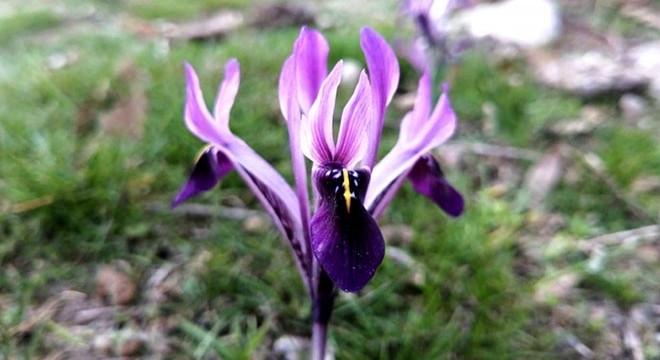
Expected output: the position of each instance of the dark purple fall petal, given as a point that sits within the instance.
(345, 238)
(427, 179)
(209, 169)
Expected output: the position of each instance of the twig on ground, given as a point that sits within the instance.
(594, 163)
(642, 14)
(206, 211)
(491, 150)
(626, 237)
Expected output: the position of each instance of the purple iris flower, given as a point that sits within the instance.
(341, 240)
(433, 46)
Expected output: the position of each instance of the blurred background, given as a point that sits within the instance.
(557, 155)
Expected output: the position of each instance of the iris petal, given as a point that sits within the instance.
(209, 169)
(355, 121)
(384, 77)
(345, 238)
(311, 53)
(316, 133)
(428, 180)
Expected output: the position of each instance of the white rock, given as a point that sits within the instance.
(527, 23)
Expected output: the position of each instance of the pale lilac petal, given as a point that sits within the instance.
(400, 160)
(345, 238)
(378, 205)
(291, 111)
(227, 93)
(208, 170)
(427, 179)
(442, 123)
(317, 138)
(311, 53)
(413, 124)
(384, 77)
(356, 119)
(286, 89)
(415, 53)
(196, 115)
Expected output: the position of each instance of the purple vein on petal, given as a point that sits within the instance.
(274, 194)
(227, 93)
(291, 112)
(356, 119)
(196, 115)
(398, 162)
(317, 137)
(413, 124)
(311, 53)
(384, 77)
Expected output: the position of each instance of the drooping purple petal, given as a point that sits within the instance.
(211, 166)
(311, 53)
(384, 77)
(316, 131)
(270, 188)
(196, 115)
(427, 179)
(227, 93)
(356, 120)
(345, 238)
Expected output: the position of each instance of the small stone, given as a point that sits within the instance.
(556, 289)
(397, 234)
(114, 286)
(632, 106)
(130, 347)
(255, 224)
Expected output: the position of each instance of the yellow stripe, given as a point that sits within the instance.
(347, 190)
(201, 152)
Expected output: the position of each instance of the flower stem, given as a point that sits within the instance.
(322, 304)
(319, 337)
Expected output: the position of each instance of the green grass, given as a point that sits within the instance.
(73, 198)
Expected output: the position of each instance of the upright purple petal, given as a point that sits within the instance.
(291, 111)
(412, 125)
(210, 167)
(400, 160)
(317, 138)
(356, 119)
(384, 77)
(311, 53)
(286, 90)
(227, 93)
(427, 179)
(345, 238)
(196, 115)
